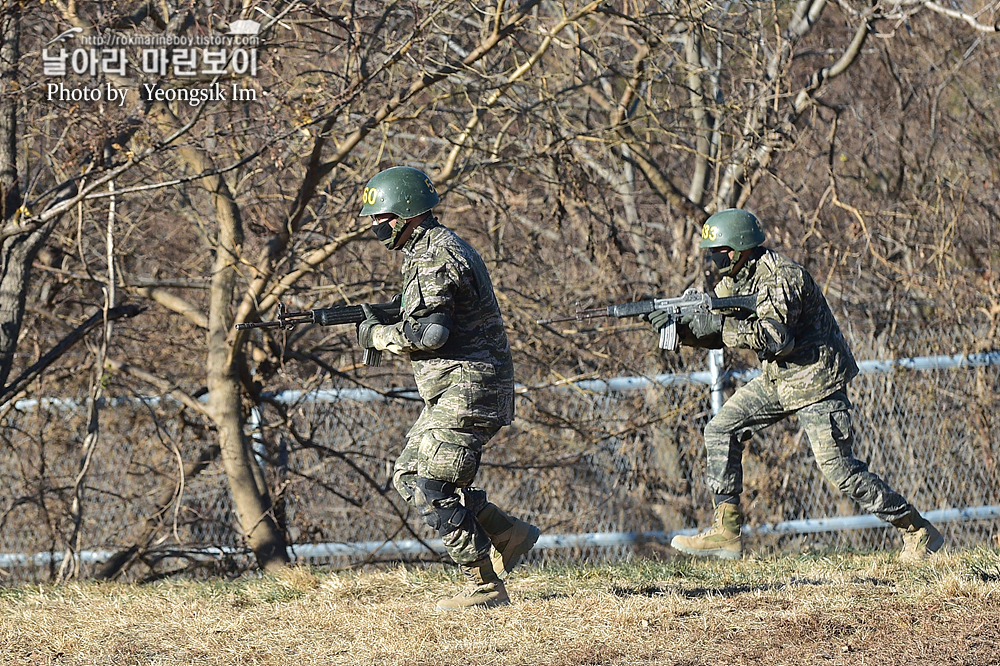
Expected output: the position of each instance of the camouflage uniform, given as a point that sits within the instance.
(467, 385)
(806, 368)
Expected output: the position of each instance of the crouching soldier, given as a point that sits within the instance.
(452, 330)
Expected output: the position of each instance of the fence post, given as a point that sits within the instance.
(255, 421)
(716, 362)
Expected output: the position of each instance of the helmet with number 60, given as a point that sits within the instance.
(403, 191)
(733, 228)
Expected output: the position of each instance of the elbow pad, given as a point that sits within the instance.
(428, 333)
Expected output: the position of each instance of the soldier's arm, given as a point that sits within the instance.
(770, 331)
(428, 308)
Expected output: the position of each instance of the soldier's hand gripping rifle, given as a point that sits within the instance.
(387, 313)
(690, 303)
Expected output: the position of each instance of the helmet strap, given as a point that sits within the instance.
(390, 236)
(393, 239)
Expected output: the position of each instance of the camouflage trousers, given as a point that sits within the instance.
(827, 424)
(434, 474)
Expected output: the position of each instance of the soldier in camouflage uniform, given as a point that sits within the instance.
(452, 330)
(806, 368)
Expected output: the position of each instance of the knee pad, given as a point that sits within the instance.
(434, 490)
(440, 507)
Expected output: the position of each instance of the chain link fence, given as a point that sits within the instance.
(625, 467)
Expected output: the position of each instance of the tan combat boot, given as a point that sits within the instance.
(484, 589)
(920, 538)
(512, 538)
(722, 539)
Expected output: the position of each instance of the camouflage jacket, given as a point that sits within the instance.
(470, 379)
(793, 330)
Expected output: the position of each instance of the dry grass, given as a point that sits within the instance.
(841, 609)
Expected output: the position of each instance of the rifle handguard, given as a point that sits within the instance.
(690, 302)
(387, 313)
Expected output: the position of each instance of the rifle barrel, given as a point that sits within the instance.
(287, 320)
(579, 316)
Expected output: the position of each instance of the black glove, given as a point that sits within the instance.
(367, 327)
(658, 318)
(703, 324)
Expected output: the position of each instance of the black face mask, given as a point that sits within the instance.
(383, 230)
(387, 234)
(724, 263)
(721, 260)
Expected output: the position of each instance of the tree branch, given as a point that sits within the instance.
(174, 304)
(75, 336)
(447, 170)
(962, 16)
(163, 385)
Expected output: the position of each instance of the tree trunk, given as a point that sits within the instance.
(16, 255)
(250, 496)
(10, 53)
(18, 250)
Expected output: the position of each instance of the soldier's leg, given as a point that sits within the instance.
(509, 535)
(751, 409)
(512, 537)
(448, 460)
(493, 521)
(404, 473)
(828, 426)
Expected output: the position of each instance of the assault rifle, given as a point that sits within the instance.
(387, 313)
(690, 303)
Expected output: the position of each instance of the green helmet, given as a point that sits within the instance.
(403, 191)
(734, 228)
